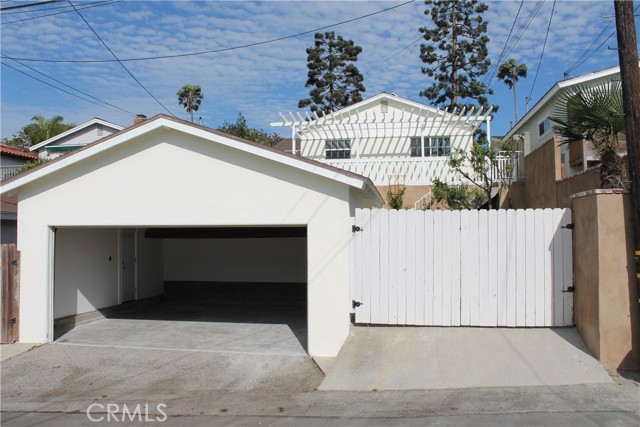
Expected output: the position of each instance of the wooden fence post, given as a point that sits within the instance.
(10, 293)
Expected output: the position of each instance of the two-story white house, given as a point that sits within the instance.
(392, 140)
(75, 138)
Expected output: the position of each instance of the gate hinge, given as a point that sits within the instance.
(569, 226)
(569, 289)
(355, 304)
(355, 228)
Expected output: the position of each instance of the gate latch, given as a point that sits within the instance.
(355, 228)
(355, 304)
(569, 226)
(569, 289)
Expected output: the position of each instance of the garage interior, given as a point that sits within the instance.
(230, 289)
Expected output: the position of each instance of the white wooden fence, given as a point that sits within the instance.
(462, 268)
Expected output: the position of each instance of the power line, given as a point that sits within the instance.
(120, 62)
(102, 3)
(48, 8)
(20, 6)
(53, 86)
(553, 8)
(590, 52)
(205, 52)
(497, 63)
(66, 85)
(393, 55)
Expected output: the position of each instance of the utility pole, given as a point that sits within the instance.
(630, 76)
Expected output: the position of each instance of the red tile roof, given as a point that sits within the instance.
(13, 151)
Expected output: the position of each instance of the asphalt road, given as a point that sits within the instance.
(55, 384)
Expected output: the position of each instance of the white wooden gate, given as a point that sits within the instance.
(462, 268)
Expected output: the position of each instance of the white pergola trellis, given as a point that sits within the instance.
(414, 122)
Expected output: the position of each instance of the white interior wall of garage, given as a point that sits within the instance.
(236, 260)
(87, 268)
(129, 185)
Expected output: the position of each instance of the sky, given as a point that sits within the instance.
(263, 80)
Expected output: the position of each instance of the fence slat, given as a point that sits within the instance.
(421, 268)
(383, 315)
(501, 269)
(511, 267)
(483, 262)
(437, 268)
(365, 225)
(447, 277)
(530, 266)
(374, 254)
(539, 255)
(411, 267)
(429, 270)
(558, 265)
(567, 250)
(521, 270)
(548, 271)
(402, 267)
(455, 268)
(393, 267)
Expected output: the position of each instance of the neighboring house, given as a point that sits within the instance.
(169, 200)
(535, 128)
(12, 158)
(75, 138)
(394, 141)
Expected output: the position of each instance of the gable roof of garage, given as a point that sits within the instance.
(164, 121)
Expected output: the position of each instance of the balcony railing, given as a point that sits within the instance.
(9, 171)
(418, 170)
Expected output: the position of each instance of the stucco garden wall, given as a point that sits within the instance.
(606, 307)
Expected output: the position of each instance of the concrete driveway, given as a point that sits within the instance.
(406, 358)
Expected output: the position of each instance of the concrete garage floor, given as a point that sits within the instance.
(407, 358)
(199, 325)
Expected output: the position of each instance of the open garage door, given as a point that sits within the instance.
(230, 289)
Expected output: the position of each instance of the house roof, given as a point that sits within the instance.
(8, 204)
(562, 84)
(163, 121)
(286, 144)
(13, 151)
(85, 125)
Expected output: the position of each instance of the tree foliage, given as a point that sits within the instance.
(242, 130)
(456, 197)
(595, 114)
(394, 197)
(509, 72)
(41, 130)
(455, 53)
(335, 80)
(482, 168)
(190, 97)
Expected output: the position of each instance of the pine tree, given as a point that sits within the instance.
(336, 81)
(456, 53)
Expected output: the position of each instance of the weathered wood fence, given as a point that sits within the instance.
(462, 268)
(10, 293)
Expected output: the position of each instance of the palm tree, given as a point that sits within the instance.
(47, 128)
(509, 72)
(190, 97)
(594, 114)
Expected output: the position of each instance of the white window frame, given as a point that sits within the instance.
(430, 150)
(336, 149)
(546, 126)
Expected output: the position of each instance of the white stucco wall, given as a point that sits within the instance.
(236, 260)
(86, 271)
(169, 178)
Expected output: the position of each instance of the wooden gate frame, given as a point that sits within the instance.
(10, 293)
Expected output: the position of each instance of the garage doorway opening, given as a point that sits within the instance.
(208, 288)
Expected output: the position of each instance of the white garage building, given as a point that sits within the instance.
(169, 201)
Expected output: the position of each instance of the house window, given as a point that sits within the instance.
(337, 148)
(384, 106)
(100, 130)
(544, 126)
(433, 146)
